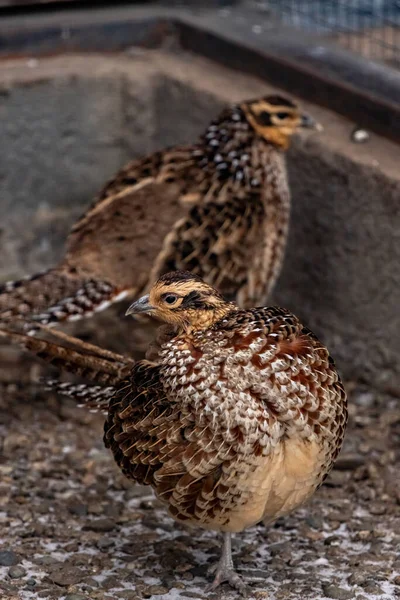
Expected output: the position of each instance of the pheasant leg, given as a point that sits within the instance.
(225, 571)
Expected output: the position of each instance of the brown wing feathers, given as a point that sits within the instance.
(149, 436)
(109, 255)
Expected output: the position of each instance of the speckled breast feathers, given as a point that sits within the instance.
(234, 425)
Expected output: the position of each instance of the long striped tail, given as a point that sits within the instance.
(54, 296)
(94, 397)
(72, 355)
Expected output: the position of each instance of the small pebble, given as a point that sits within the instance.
(80, 510)
(277, 549)
(377, 509)
(46, 560)
(359, 136)
(332, 540)
(356, 578)
(371, 587)
(8, 558)
(32, 63)
(67, 575)
(333, 591)
(75, 597)
(100, 525)
(363, 535)
(127, 595)
(89, 584)
(16, 572)
(104, 543)
(154, 590)
(314, 522)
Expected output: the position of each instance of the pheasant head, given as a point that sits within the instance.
(183, 300)
(276, 119)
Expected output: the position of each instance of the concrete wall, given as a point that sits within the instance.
(68, 123)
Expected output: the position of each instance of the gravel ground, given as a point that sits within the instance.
(71, 527)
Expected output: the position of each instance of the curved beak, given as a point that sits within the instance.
(309, 123)
(140, 306)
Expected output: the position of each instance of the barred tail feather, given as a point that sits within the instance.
(10, 286)
(93, 397)
(92, 296)
(34, 293)
(104, 367)
(56, 295)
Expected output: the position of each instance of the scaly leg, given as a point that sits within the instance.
(225, 571)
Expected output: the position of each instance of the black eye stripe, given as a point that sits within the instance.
(264, 118)
(192, 299)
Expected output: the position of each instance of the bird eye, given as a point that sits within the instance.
(170, 299)
(282, 115)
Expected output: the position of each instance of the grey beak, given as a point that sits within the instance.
(309, 123)
(140, 306)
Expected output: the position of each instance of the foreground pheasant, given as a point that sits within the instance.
(238, 420)
(222, 212)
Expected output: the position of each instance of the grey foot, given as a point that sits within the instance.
(226, 575)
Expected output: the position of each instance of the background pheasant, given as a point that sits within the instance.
(223, 214)
(238, 420)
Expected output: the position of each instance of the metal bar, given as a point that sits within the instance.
(380, 113)
(363, 91)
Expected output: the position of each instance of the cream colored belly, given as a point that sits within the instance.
(281, 482)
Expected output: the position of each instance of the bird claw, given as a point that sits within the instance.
(226, 575)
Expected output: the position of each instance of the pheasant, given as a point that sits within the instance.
(222, 212)
(237, 420)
